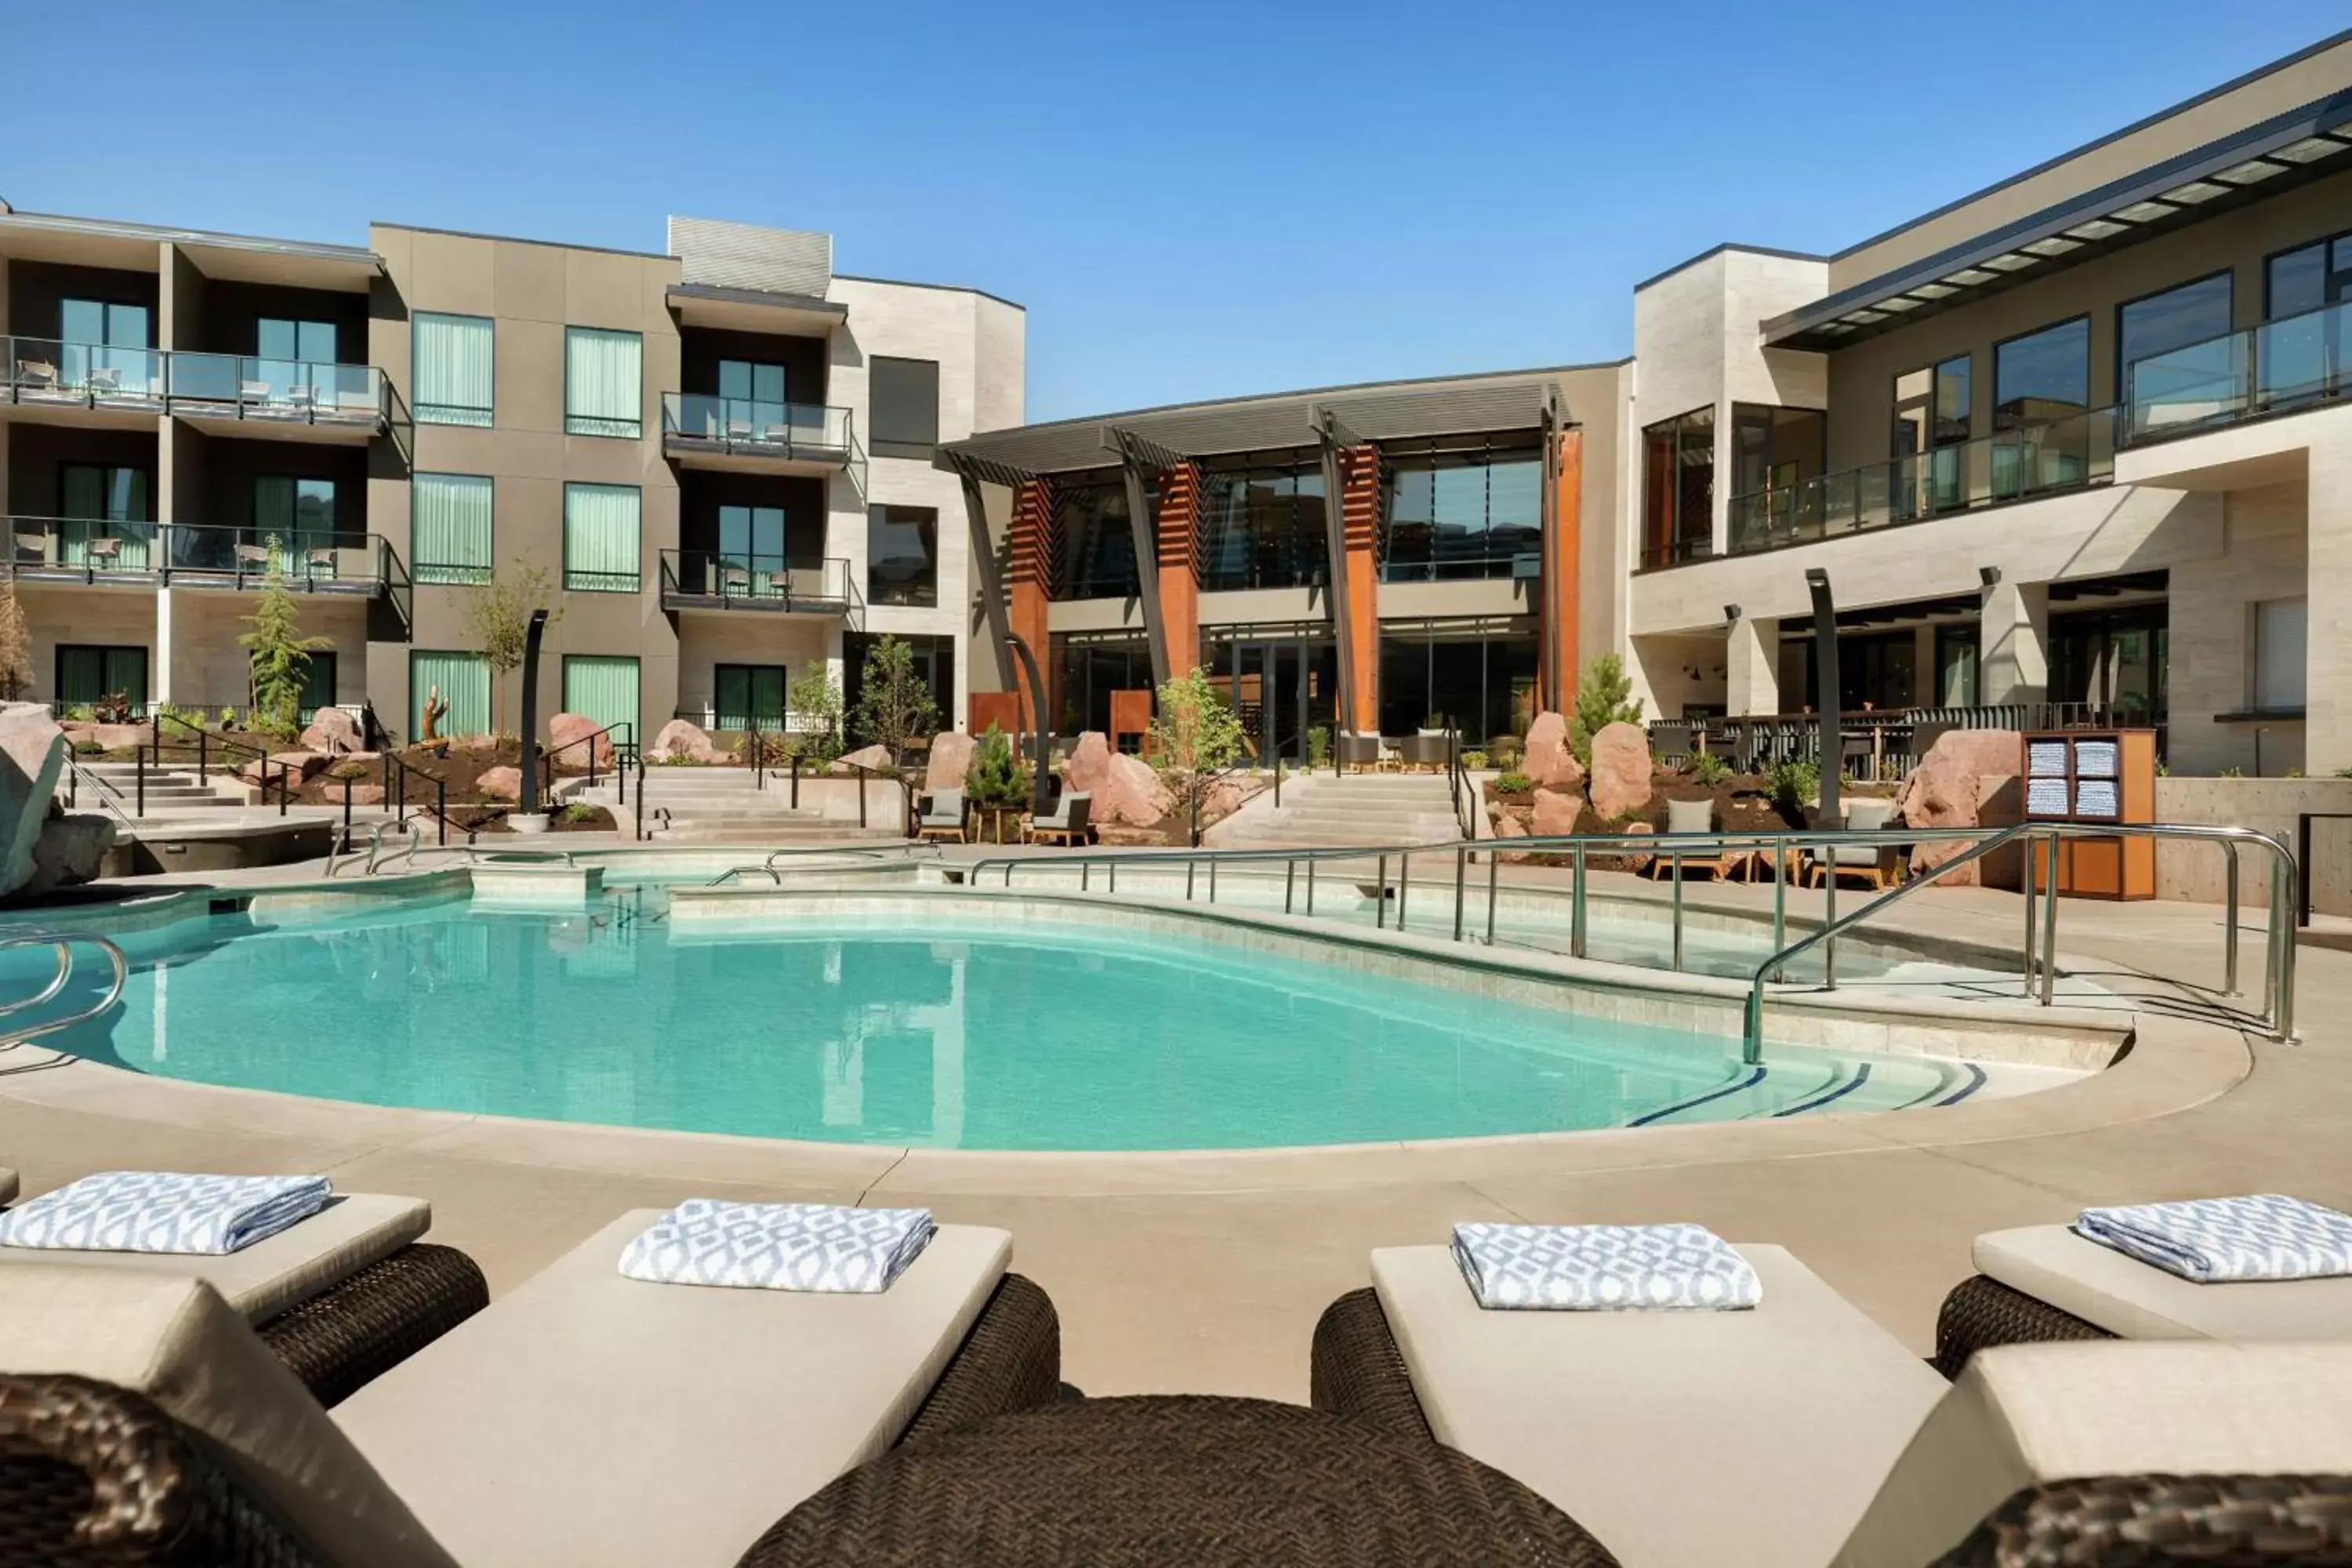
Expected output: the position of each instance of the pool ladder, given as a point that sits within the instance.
(62, 942)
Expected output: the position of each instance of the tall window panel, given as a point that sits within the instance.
(902, 555)
(106, 501)
(601, 538)
(105, 346)
(451, 370)
(461, 680)
(748, 694)
(604, 382)
(603, 687)
(1678, 488)
(1093, 547)
(2042, 376)
(88, 673)
(2174, 348)
(293, 515)
(1453, 515)
(903, 405)
(2280, 647)
(1263, 527)
(449, 528)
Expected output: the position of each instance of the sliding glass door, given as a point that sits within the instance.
(102, 501)
(292, 517)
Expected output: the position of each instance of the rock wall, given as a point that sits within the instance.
(32, 760)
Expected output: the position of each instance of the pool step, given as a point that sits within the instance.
(724, 806)
(1322, 811)
(170, 793)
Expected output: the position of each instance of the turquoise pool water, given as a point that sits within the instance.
(949, 1035)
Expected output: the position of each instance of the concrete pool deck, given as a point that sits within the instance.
(1206, 1272)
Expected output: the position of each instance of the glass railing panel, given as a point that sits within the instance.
(757, 423)
(45, 368)
(2277, 366)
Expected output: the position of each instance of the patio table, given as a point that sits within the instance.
(1189, 1478)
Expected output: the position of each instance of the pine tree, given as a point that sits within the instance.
(1194, 739)
(280, 652)
(895, 706)
(993, 779)
(1604, 697)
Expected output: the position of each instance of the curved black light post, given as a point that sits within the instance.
(529, 794)
(1825, 687)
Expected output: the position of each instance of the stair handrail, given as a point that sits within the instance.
(1458, 783)
(108, 792)
(205, 741)
(62, 942)
(622, 749)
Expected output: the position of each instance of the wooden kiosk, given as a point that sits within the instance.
(2094, 776)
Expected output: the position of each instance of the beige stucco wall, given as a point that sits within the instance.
(2197, 873)
(65, 613)
(2212, 615)
(706, 639)
(209, 667)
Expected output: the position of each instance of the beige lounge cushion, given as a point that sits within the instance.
(2139, 1302)
(351, 1232)
(1868, 814)
(586, 1418)
(1677, 1438)
(2024, 1415)
(172, 1338)
(1690, 815)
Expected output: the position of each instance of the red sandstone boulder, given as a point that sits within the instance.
(1556, 811)
(1132, 792)
(683, 738)
(363, 795)
(1549, 761)
(1509, 826)
(332, 733)
(879, 758)
(1967, 779)
(502, 783)
(951, 753)
(1622, 770)
(1089, 764)
(295, 768)
(564, 733)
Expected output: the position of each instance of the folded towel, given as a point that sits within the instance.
(779, 1247)
(2217, 1240)
(1603, 1268)
(163, 1211)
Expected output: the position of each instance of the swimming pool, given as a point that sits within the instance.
(950, 1032)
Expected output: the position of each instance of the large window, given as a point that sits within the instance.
(1479, 679)
(106, 501)
(902, 555)
(603, 687)
(1262, 527)
(749, 390)
(293, 515)
(292, 342)
(2308, 278)
(452, 373)
(748, 694)
(1086, 670)
(461, 681)
(1460, 513)
(449, 528)
(105, 337)
(604, 382)
(2193, 313)
(1678, 488)
(903, 405)
(2116, 659)
(2042, 376)
(2279, 646)
(88, 673)
(600, 537)
(2303, 358)
(1932, 420)
(1093, 547)
(1775, 449)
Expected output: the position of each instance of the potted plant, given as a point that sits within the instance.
(994, 782)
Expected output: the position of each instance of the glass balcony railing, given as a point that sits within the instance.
(2014, 465)
(2278, 367)
(45, 370)
(754, 425)
(65, 549)
(718, 579)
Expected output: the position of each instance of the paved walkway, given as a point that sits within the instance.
(1186, 1273)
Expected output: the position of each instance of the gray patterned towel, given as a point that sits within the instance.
(2219, 1240)
(779, 1246)
(1603, 1268)
(163, 1211)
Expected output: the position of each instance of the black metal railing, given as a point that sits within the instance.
(1882, 744)
(150, 753)
(37, 371)
(115, 551)
(722, 579)
(620, 745)
(397, 771)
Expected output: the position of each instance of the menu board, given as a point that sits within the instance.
(2096, 759)
(2045, 797)
(2046, 759)
(2097, 797)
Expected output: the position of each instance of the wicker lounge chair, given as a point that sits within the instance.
(2044, 1282)
(1425, 748)
(1359, 750)
(342, 1298)
(1800, 1434)
(585, 1419)
(1878, 862)
(941, 816)
(1067, 824)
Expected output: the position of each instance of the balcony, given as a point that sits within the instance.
(188, 555)
(2038, 461)
(2287, 366)
(89, 383)
(710, 580)
(752, 435)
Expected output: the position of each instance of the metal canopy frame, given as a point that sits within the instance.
(974, 471)
(1332, 434)
(1140, 457)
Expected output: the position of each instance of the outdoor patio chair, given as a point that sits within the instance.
(1800, 1434)
(734, 580)
(251, 559)
(32, 550)
(37, 375)
(1067, 824)
(340, 1298)
(302, 399)
(587, 1418)
(2046, 1282)
(1696, 816)
(1357, 750)
(941, 816)
(320, 562)
(1425, 749)
(1880, 863)
(102, 379)
(254, 392)
(739, 429)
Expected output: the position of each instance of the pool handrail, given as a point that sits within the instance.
(62, 942)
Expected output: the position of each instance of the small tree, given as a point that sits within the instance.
(812, 702)
(499, 616)
(15, 646)
(1195, 737)
(1604, 697)
(280, 654)
(994, 777)
(895, 707)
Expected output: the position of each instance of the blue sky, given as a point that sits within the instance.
(1192, 200)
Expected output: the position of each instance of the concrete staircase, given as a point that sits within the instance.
(171, 792)
(1322, 811)
(720, 806)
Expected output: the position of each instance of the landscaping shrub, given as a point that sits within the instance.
(1709, 769)
(1515, 784)
(1792, 785)
(1604, 697)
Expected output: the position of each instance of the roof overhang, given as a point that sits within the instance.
(2261, 161)
(754, 311)
(227, 257)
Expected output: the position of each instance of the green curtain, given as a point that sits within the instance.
(600, 537)
(748, 691)
(449, 528)
(601, 688)
(106, 502)
(298, 514)
(465, 682)
(452, 376)
(604, 385)
(87, 672)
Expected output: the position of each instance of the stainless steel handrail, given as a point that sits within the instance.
(109, 795)
(63, 942)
